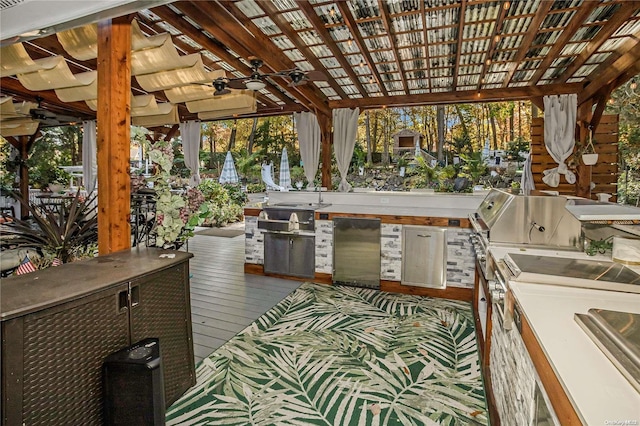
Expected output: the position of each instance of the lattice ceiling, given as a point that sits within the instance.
(401, 52)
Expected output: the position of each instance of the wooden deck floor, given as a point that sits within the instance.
(225, 300)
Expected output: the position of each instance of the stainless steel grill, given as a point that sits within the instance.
(525, 221)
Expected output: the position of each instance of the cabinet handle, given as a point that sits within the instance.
(424, 235)
(123, 301)
(135, 296)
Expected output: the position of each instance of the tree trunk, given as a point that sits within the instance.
(374, 135)
(212, 149)
(385, 139)
(465, 131)
(492, 120)
(440, 119)
(519, 120)
(232, 137)
(369, 147)
(252, 135)
(512, 121)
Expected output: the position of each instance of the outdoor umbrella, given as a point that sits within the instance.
(285, 173)
(229, 174)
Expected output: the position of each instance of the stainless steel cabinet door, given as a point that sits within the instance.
(356, 252)
(302, 256)
(288, 254)
(276, 253)
(424, 256)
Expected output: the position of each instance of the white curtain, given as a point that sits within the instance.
(559, 133)
(309, 138)
(89, 155)
(527, 183)
(345, 128)
(190, 135)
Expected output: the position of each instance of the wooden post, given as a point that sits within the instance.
(24, 176)
(583, 178)
(114, 121)
(326, 123)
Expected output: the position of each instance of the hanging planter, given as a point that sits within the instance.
(590, 159)
(589, 155)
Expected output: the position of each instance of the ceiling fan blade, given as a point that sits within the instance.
(68, 119)
(221, 92)
(315, 75)
(49, 122)
(41, 113)
(237, 84)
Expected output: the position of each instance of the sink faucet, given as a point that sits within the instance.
(319, 195)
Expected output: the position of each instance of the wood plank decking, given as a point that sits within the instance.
(225, 300)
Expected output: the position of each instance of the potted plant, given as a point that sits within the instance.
(515, 187)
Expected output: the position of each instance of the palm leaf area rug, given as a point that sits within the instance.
(331, 355)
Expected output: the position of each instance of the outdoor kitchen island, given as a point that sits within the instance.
(415, 211)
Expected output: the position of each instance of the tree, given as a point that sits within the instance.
(440, 147)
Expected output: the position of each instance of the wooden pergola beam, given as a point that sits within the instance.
(492, 43)
(196, 35)
(530, 35)
(287, 30)
(456, 65)
(569, 31)
(364, 51)
(113, 142)
(226, 29)
(386, 21)
(606, 73)
(625, 12)
(317, 24)
(468, 96)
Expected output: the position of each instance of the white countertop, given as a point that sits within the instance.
(599, 392)
(603, 211)
(394, 210)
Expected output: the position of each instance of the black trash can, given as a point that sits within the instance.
(133, 386)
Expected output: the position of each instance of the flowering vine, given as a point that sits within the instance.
(177, 212)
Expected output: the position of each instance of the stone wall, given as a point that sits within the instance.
(512, 374)
(460, 260)
(253, 241)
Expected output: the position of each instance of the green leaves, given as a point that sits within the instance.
(344, 355)
(62, 233)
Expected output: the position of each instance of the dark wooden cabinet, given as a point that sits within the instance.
(59, 324)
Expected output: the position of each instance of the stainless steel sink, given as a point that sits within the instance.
(299, 205)
(617, 334)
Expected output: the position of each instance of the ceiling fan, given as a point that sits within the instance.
(255, 81)
(50, 118)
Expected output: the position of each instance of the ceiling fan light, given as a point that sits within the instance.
(255, 85)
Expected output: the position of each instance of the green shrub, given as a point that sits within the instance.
(225, 202)
(254, 188)
(236, 194)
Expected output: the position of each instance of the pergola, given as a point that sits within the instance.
(375, 53)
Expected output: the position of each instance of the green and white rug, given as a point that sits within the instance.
(329, 355)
